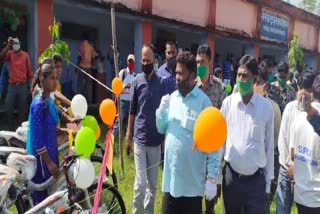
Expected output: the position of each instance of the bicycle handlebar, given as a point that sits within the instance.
(42, 186)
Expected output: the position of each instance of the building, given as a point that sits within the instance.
(258, 27)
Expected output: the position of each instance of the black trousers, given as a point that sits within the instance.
(181, 205)
(307, 210)
(210, 206)
(243, 194)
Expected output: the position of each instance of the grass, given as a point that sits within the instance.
(127, 182)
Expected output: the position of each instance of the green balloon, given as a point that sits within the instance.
(85, 142)
(228, 88)
(90, 122)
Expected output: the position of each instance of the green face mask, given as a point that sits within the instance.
(270, 78)
(282, 82)
(202, 71)
(244, 87)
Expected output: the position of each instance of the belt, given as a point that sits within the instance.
(258, 172)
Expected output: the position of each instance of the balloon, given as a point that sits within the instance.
(98, 133)
(85, 142)
(108, 111)
(83, 173)
(117, 86)
(210, 130)
(228, 88)
(79, 106)
(90, 122)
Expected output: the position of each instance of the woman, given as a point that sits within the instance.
(42, 134)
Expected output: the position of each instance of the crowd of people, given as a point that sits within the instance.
(272, 147)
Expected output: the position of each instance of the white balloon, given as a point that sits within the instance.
(79, 106)
(83, 173)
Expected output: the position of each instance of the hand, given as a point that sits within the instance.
(290, 171)
(218, 193)
(268, 199)
(165, 101)
(211, 190)
(128, 144)
(10, 41)
(75, 120)
(53, 169)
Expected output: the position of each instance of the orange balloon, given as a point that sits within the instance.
(117, 86)
(98, 133)
(210, 130)
(107, 111)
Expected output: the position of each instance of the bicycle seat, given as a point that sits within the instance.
(5, 151)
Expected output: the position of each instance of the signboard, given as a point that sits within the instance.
(274, 27)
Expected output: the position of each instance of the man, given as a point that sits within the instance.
(284, 195)
(260, 87)
(146, 92)
(87, 54)
(280, 91)
(126, 75)
(305, 144)
(19, 73)
(213, 88)
(248, 152)
(184, 172)
(168, 69)
(210, 85)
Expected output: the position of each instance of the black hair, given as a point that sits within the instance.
(316, 87)
(217, 72)
(283, 67)
(204, 49)
(149, 46)
(305, 80)
(266, 63)
(42, 72)
(57, 58)
(172, 43)
(250, 63)
(187, 58)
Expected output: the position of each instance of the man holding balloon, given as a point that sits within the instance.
(248, 152)
(184, 174)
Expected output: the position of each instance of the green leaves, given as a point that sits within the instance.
(295, 54)
(58, 46)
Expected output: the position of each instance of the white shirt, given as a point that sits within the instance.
(250, 137)
(125, 95)
(306, 143)
(290, 112)
(277, 121)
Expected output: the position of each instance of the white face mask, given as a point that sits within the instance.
(155, 67)
(16, 47)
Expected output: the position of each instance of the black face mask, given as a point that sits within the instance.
(147, 69)
(172, 63)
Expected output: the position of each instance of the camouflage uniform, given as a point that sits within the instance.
(215, 90)
(282, 96)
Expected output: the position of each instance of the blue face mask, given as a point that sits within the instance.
(155, 67)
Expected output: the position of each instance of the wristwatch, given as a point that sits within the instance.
(211, 179)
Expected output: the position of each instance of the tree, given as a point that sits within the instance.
(57, 46)
(295, 54)
(308, 5)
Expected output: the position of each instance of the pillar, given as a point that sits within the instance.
(142, 35)
(44, 19)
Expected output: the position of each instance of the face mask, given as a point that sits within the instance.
(16, 47)
(183, 86)
(147, 69)
(131, 66)
(270, 78)
(282, 82)
(244, 87)
(172, 63)
(155, 67)
(202, 71)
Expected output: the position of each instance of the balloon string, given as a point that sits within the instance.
(89, 75)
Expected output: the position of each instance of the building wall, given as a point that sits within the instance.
(227, 12)
(307, 34)
(189, 11)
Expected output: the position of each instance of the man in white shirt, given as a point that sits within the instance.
(305, 151)
(126, 75)
(248, 151)
(284, 195)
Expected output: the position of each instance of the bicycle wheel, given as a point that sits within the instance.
(111, 201)
(111, 178)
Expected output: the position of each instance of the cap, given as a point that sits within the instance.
(131, 56)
